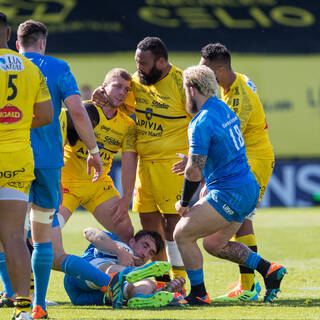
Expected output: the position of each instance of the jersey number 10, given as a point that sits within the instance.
(237, 137)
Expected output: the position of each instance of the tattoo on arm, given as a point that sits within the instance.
(235, 252)
(198, 161)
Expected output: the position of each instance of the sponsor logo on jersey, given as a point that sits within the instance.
(10, 114)
(160, 105)
(10, 174)
(251, 85)
(10, 62)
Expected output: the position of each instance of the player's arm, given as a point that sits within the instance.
(128, 176)
(83, 126)
(192, 179)
(102, 241)
(42, 114)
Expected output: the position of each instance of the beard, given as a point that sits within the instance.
(191, 106)
(151, 78)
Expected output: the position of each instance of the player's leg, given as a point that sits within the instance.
(12, 214)
(103, 205)
(202, 220)
(44, 198)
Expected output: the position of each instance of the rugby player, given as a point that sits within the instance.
(25, 103)
(47, 147)
(159, 101)
(110, 255)
(240, 94)
(217, 151)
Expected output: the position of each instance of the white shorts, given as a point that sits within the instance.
(13, 194)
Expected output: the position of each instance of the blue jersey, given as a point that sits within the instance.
(93, 252)
(215, 132)
(46, 141)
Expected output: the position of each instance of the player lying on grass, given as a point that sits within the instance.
(110, 255)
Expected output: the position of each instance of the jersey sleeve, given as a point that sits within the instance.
(130, 139)
(43, 92)
(67, 83)
(199, 138)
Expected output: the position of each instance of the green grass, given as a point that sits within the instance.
(288, 236)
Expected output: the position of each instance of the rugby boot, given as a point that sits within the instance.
(156, 300)
(272, 281)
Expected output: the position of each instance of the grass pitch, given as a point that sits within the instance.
(287, 236)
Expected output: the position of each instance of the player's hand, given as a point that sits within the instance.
(99, 97)
(121, 208)
(180, 209)
(94, 161)
(125, 258)
(179, 167)
(175, 285)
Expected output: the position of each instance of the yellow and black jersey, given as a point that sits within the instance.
(21, 85)
(63, 125)
(112, 135)
(244, 100)
(162, 120)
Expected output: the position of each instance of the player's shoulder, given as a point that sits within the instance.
(125, 117)
(14, 61)
(247, 83)
(56, 63)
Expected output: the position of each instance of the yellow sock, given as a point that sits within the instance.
(246, 274)
(22, 304)
(179, 272)
(31, 284)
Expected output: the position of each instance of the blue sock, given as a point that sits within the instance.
(253, 260)
(41, 262)
(195, 276)
(79, 268)
(5, 277)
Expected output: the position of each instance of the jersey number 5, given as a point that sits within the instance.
(237, 137)
(12, 86)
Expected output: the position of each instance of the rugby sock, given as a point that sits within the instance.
(127, 270)
(247, 274)
(5, 277)
(179, 272)
(81, 269)
(162, 280)
(22, 304)
(31, 284)
(197, 285)
(41, 262)
(254, 261)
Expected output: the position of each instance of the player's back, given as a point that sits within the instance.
(21, 86)
(244, 100)
(47, 141)
(215, 132)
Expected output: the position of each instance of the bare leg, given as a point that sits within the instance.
(13, 214)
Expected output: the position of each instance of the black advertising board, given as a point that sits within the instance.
(261, 26)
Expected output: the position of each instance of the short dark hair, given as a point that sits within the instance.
(216, 52)
(3, 19)
(152, 234)
(155, 45)
(30, 31)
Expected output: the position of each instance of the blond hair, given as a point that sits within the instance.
(201, 78)
(116, 72)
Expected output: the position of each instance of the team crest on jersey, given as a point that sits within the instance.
(149, 113)
(11, 62)
(10, 114)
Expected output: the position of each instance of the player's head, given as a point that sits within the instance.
(217, 57)
(94, 117)
(198, 81)
(32, 36)
(4, 30)
(151, 60)
(117, 83)
(145, 245)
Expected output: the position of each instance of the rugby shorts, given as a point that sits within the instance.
(87, 194)
(16, 170)
(234, 204)
(157, 187)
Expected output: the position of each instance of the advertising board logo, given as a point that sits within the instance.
(10, 114)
